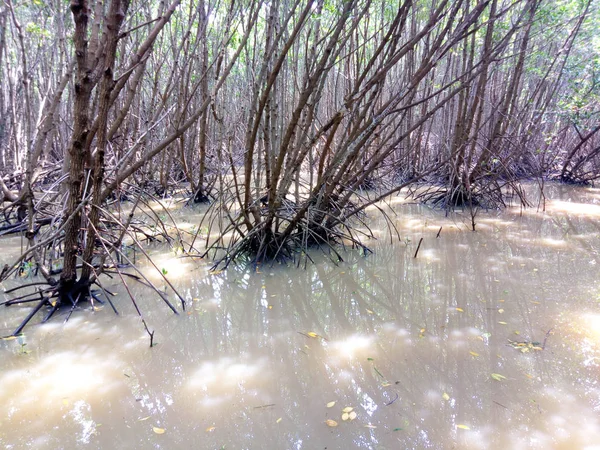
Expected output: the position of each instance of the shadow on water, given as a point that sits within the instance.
(485, 340)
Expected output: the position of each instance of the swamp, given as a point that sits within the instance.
(317, 224)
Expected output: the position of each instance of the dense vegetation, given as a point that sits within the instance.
(288, 117)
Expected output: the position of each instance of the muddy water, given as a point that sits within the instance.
(417, 347)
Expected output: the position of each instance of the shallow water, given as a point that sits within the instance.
(418, 347)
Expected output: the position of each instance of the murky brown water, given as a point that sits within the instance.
(409, 344)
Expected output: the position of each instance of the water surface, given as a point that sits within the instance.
(486, 339)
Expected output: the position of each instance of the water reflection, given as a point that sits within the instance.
(418, 347)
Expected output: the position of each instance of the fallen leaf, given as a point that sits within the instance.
(445, 396)
(463, 427)
(352, 415)
(370, 312)
(474, 354)
(331, 423)
(498, 377)
(9, 338)
(347, 409)
(209, 429)
(143, 418)
(278, 420)
(158, 430)
(345, 417)
(501, 311)
(460, 310)
(502, 323)
(330, 404)
(370, 426)
(312, 334)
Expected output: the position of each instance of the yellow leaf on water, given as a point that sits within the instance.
(445, 396)
(352, 415)
(347, 409)
(498, 377)
(460, 310)
(345, 417)
(143, 418)
(474, 354)
(312, 334)
(501, 311)
(158, 430)
(331, 423)
(370, 312)
(278, 420)
(502, 323)
(463, 427)
(9, 338)
(330, 404)
(209, 429)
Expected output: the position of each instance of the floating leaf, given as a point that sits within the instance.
(345, 416)
(445, 396)
(312, 334)
(347, 409)
(474, 354)
(501, 311)
(370, 312)
(331, 423)
(370, 426)
(278, 420)
(352, 415)
(330, 404)
(158, 430)
(463, 427)
(209, 429)
(460, 310)
(143, 418)
(498, 377)
(502, 323)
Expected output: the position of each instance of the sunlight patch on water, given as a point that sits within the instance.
(580, 209)
(218, 377)
(173, 268)
(57, 380)
(353, 346)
